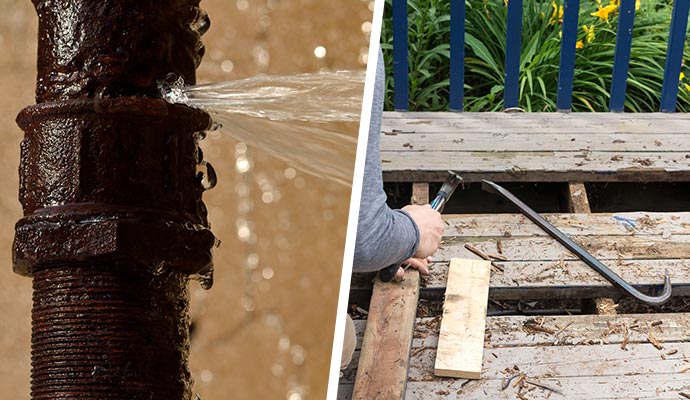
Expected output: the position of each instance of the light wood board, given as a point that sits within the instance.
(532, 147)
(461, 341)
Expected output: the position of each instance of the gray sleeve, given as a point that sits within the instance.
(384, 236)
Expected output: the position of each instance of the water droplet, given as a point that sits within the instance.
(298, 354)
(277, 370)
(284, 343)
(227, 66)
(261, 56)
(252, 261)
(240, 148)
(290, 173)
(293, 394)
(201, 23)
(267, 273)
(243, 165)
(267, 197)
(205, 278)
(242, 5)
(366, 27)
(271, 320)
(247, 303)
(206, 375)
(206, 175)
(243, 231)
(320, 52)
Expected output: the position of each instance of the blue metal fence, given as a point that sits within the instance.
(669, 92)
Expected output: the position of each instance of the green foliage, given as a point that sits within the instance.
(429, 37)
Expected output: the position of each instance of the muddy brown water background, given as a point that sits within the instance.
(264, 331)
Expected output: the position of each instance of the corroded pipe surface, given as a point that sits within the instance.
(113, 222)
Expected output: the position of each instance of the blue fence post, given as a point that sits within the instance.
(512, 66)
(566, 69)
(674, 55)
(621, 59)
(401, 85)
(457, 54)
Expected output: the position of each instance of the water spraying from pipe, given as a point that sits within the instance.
(308, 120)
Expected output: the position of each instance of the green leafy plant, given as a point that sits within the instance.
(429, 35)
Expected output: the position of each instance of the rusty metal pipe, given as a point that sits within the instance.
(113, 222)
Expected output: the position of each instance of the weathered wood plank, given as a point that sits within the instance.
(549, 279)
(638, 246)
(517, 225)
(563, 367)
(642, 247)
(461, 339)
(532, 142)
(383, 362)
(657, 387)
(384, 359)
(600, 121)
(580, 330)
(564, 352)
(559, 166)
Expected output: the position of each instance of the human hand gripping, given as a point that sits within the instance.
(430, 227)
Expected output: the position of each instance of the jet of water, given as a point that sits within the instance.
(307, 120)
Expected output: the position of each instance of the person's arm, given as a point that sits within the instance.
(384, 236)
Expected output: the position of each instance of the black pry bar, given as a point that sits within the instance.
(449, 185)
(576, 249)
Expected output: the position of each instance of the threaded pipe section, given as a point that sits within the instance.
(109, 333)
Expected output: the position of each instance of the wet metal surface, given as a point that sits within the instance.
(113, 219)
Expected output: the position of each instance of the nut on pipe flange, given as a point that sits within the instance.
(113, 223)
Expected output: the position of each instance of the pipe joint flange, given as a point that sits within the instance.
(78, 235)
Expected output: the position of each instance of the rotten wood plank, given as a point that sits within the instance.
(383, 362)
(638, 246)
(570, 279)
(461, 341)
(459, 139)
(568, 353)
(517, 225)
(554, 166)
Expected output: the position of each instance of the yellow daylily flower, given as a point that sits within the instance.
(637, 5)
(687, 87)
(579, 44)
(604, 12)
(590, 33)
(557, 14)
(682, 75)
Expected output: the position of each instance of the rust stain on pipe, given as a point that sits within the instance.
(113, 218)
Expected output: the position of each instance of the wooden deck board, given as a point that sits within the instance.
(638, 246)
(582, 356)
(533, 147)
